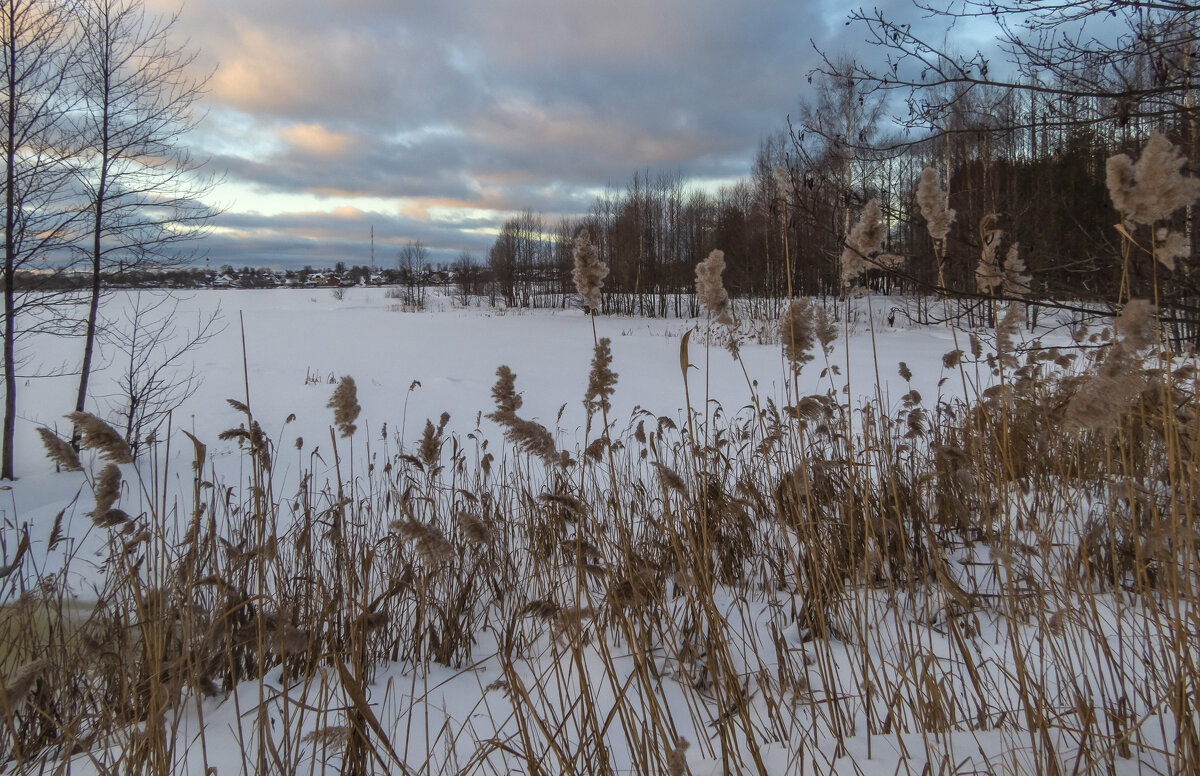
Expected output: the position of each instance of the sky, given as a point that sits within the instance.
(436, 121)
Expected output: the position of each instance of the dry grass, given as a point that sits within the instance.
(780, 587)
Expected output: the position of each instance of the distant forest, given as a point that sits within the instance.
(1024, 161)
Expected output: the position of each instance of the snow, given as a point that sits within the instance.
(413, 366)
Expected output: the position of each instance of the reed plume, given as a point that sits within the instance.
(1134, 325)
(430, 449)
(106, 490)
(710, 289)
(932, 198)
(1109, 391)
(60, 451)
(589, 272)
(1152, 188)
(1170, 246)
(863, 249)
(429, 541)
(504, 392)
(526, 435)
(602, 379)
(101, 437)
(344, 404)
(474, 528)
(825, 329)
(1017, 280)
(677, 758)
(988, 274)
(797, 330)
(19, 684)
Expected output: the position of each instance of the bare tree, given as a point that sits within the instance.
(36, 43)
(467, 275)
(143, 190)
(154, 377)
(844, 118)
(502, 264)
(411, 261)
(1082, 63)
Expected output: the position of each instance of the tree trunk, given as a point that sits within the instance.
(10, 313)
(89, 342)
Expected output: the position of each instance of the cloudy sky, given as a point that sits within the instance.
(434, 121)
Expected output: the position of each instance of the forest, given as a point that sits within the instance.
(1023, 160)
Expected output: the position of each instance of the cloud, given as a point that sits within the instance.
(481, 108)
(342, 233)
(314, 139)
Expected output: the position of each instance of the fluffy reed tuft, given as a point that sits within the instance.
(60, 451)
(1134, 325)
(863, 240)
(931, 198)
(332, 737)
(1152, 188)
(677, 758)
(1017, 280)
(429, 541)
(532, 437)
(1007, 330)
(709, 287)
(797, 329)
(430, 448)
(589, 272)
(474, 528)
(107, 488)
(101, 437)
(988, 274)
(19, 684)
(344, 404)
(670, 478)
(1108, 392)
(504, 392)
(526, 435)
(602, 379)
(825, 330)
(1170, 246)
(863, 248)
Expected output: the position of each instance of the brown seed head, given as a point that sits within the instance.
(709, 287)
(101, 437)
(931, 198)
(589, 272)
(20, 683)
(59, 451)
(1154, 187)
(107, 488)
(344, 404)
(602, 380)
(796, 331)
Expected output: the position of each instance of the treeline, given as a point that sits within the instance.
(783, 228)
(1023, 161)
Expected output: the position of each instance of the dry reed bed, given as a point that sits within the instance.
(1006, 585)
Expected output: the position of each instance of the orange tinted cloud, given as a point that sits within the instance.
(317, 140)
(519, 124)
(260, 73)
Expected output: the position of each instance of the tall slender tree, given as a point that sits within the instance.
(143, 190)
(37, 44)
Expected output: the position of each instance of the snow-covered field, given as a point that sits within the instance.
(413, 366)
(998, 659)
